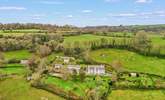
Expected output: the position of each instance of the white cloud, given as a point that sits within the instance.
(123, 15)
(87, 11)
(12, 8)
(52, 2)
(111, 0)
(143, 1)
(69, 16)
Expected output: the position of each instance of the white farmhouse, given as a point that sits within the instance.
(58, 66)
(95, 69)
(71, 68)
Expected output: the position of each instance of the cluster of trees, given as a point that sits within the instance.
(2, 59)
(37, 65)
(69, 29)
(132, 28)
(48, 27)
(140, 43)
(30, 42)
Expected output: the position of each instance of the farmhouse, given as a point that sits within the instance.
(90, 69)
(95, 69)
(57, 68)
(71, 68)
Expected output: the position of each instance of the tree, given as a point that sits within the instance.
(163, 35)
(74, 75)
(2, 59)
(142, 41)
(65, 73)
(82, 74)
(117, 65)
(86, 57)
(43, 51)
(33, 63)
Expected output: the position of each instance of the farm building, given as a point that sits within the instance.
(58, 66)
(24, 62)
(96, 69)
(71, 68)
(66, 60)
(133, 75)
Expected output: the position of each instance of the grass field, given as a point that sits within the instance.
(157, 40)
(137, 95)
(84, 38)
(13, 69)
(19, 54)
(131, 61)
(18, 89)
(70, 85)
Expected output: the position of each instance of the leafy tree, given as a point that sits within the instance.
(43, 51)
(82, 74)
(163, 35)
(74, 75)
(2, 59)
(141, 40)
(117, 65)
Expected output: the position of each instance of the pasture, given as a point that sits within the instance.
(85, 38)
(19, 89)
(19, 54)
(137, 95)
(13, 69)
(131, 61)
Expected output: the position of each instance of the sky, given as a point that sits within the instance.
(83, 12)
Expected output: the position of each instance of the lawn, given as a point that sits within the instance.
(18, 89)
(77, 86)
(13, 69)
(131, 61)
(18, 54)
(137, 95)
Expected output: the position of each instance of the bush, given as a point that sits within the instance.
(14, 60)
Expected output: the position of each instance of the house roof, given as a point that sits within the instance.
(74, 66)
(96, 66)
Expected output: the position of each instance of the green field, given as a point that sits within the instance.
(70, 85)
(18, 89)
(86, 37)
(13, 69)
(19, 54)
(131, 61)
(137, 95)
(157, 40)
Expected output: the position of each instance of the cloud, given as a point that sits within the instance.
(123, 15)
(143, 1)
(69, 16)
(140, 14)
(52, 2)
(12, 8)
(87, 11)
(111, 0)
